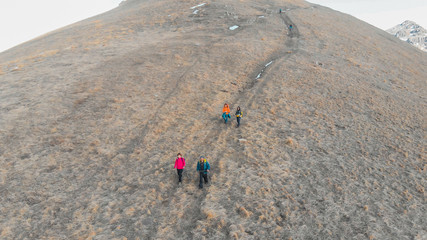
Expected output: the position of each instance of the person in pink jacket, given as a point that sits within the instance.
(179, 165)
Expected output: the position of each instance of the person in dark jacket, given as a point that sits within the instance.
(203, 168)
(239, 115)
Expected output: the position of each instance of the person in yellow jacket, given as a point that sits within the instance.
(239, 115)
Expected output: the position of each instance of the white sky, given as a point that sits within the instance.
(23, 20)
(383, 14)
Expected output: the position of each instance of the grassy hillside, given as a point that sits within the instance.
(332, 144)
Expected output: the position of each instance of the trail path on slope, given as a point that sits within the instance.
(186, 207)
(249, 98)
(231, 156)
(257, 86)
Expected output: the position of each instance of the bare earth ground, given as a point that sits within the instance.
(332, 144)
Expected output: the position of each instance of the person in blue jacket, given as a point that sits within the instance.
(203, 168)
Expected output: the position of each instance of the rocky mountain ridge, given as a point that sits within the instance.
(412, 33)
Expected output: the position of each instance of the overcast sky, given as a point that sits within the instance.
(383, 14)
(23, 20)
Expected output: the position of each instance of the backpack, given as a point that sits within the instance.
(202, 166)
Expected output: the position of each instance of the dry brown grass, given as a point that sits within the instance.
(353, 62)
(244, 212)
(19, 63)
(96, 141)
(48, 53)
(5, 232)
(98, 24)
(209, 213)
(289, 141)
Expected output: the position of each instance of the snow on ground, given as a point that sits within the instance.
(262, 71)
(198, 6)
(233, 27)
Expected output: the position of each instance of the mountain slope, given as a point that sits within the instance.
(332, 144)
(412, 33)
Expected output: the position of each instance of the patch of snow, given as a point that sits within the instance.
(259, 75)
(268, 64)
(233, 27)
(198, 6)
(261, 17)
(243, 140)
(196, 11)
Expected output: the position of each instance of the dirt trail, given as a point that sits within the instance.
(233, 152)
(223, 140)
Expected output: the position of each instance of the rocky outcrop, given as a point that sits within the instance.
(412, 33)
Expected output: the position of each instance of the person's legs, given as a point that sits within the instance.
(224, 116)
(180, 174)
(201, 180)
(238, 122)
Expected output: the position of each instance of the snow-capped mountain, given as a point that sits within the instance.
(412, 33)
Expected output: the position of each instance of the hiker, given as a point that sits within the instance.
(280, 10)
(239, 115)
(203, 168)
(290, 27)
(226, 113)
(179, 165)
